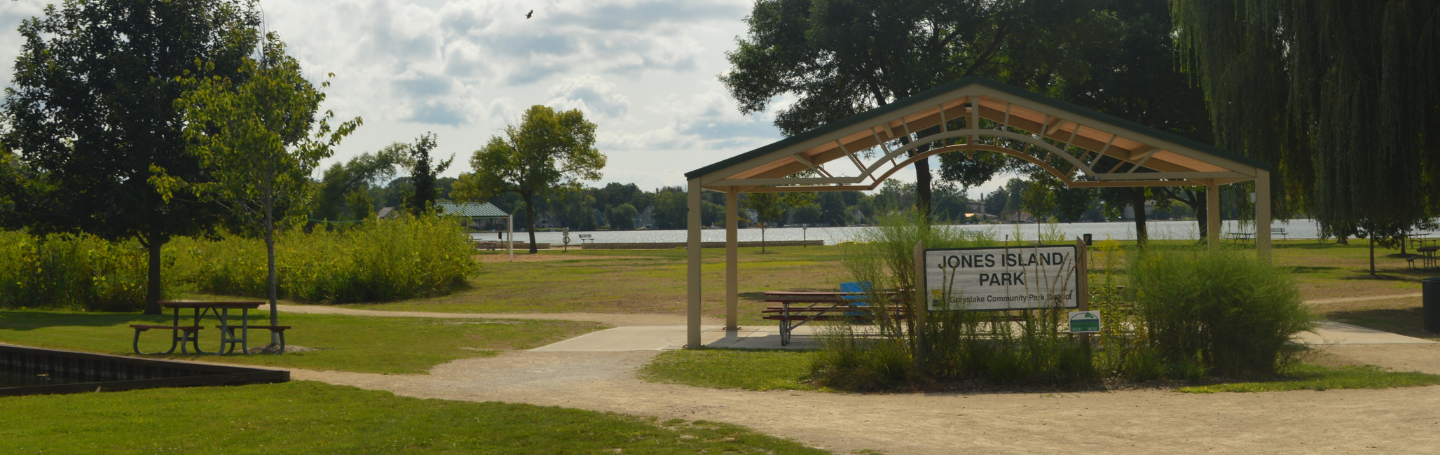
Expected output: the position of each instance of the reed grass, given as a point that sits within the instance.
(391, 260)
(1188, 313)
(76, 272)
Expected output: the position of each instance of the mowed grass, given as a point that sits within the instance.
(653, 281)
(311, 417)
(787, 370)
(341, 343)
(1316, 377)
(731, 369)
(631, 281)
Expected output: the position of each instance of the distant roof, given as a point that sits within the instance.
(386, 213)
(471, 210)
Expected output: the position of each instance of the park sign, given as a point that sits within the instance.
(1012, 278)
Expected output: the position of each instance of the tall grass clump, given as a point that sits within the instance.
(76, 272)
(1000, 347)
(1222, 310)
(388, 260)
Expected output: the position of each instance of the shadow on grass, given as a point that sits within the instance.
(22, 320)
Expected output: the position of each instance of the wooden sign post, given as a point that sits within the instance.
(920, 307)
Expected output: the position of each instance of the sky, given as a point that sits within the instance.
(645, 72)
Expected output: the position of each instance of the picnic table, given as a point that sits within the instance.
(798, 308)
(1428, 260)
(1240, 237)
(180, 335)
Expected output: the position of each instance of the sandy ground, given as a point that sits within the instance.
(1337, 421)
(1405, 420)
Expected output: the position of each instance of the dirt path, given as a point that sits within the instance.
(1336, 421)
(614, 319)
(1363, 299)
(1403, 420)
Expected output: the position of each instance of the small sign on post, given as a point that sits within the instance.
(1085, 321)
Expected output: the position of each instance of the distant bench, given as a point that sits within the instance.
(587, 238)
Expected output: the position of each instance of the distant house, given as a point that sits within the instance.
(387, 213)
(646, 219)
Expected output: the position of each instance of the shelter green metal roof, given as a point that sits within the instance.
(471, 210)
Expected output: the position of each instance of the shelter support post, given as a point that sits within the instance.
(692, 246)
(1212, 214)
(1262, 215)
(510, 235)
(732, 259)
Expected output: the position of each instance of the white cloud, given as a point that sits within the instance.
(644, 71)
(590, 94)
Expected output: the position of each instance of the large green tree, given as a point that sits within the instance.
(838, 58)
(1339, 96)
(344, 188)
(91, 110)
(548, 153)
(423, 171)
(259, 140)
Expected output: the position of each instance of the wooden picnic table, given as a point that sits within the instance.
(1429, 255)
(191, 333)
(823, 306)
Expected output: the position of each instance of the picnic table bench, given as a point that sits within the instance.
(853, 307)
(182, 334)
(491, 245)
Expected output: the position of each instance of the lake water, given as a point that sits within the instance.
(1119, 230)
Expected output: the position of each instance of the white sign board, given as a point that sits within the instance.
(1015, 278)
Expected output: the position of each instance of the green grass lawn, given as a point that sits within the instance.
(310, 417)
(342, 343)
(787, 370)
(1315, 377)
(653, 281)
(731, 369)
(630, 281)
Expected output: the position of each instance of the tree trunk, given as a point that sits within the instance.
(152, 287)
(1372, 253)
(270, 275)
(1202, 215)
(1137, 199)
(530, 221)
(922, 188)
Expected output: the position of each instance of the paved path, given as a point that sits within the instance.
(614, 319)
(1364, 299)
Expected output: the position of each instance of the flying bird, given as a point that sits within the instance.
(527, 15)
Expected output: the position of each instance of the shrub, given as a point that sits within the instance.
(391, 260)
(1222, 310)
(958, 345)
(77, 272)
